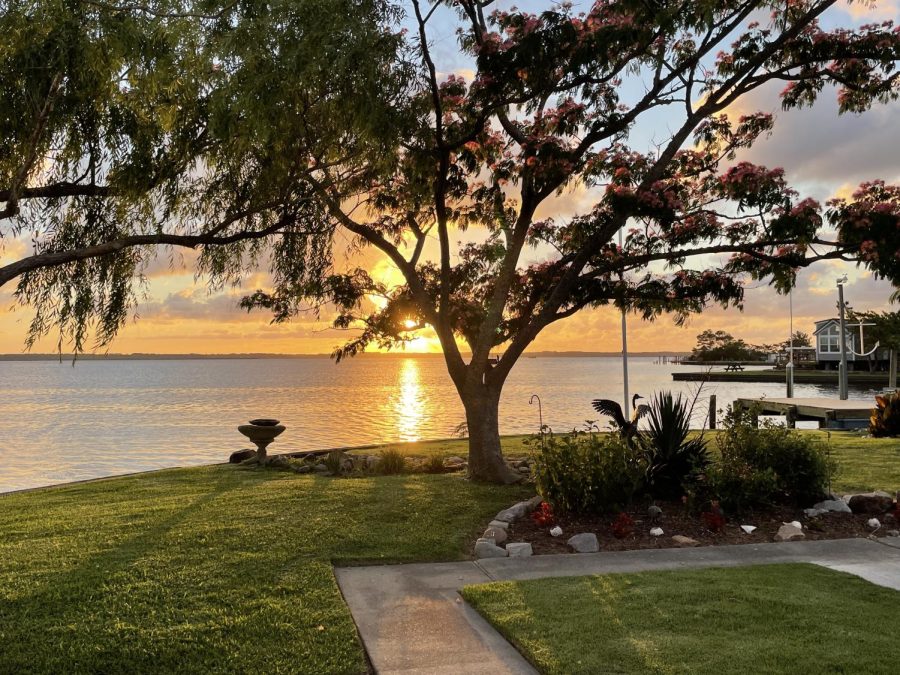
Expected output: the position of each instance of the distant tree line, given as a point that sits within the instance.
(721, 346)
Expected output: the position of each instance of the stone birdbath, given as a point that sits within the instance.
(261, 432)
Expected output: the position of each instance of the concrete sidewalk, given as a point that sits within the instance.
(412, 620)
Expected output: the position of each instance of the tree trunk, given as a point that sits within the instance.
(482, 417)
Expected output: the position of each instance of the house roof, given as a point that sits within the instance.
(823, 324)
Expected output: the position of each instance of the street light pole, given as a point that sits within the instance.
(625, 407)
(842, 340)
(790, 364)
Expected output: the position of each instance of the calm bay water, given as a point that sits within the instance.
(61, 423)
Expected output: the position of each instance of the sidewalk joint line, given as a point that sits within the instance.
(486, 572)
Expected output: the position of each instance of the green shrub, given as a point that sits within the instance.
(885, 419)
(336, 463)
(434, 464)
(392, 462)
(585, 474)
(767, 465)
(674, 457)
(738, 485)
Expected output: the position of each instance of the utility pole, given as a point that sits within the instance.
(892, 370)
(842, 340)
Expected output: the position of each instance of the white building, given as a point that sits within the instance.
(828, 347)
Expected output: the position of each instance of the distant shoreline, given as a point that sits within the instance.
(249, 356)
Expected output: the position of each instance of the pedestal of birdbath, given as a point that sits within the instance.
(261, 432)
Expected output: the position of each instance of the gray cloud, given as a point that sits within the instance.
(823, 150)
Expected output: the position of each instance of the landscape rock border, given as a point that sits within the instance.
(497, 533)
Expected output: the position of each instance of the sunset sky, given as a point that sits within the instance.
(823, 154)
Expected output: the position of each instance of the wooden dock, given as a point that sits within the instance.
(779, 376)
(830, 413)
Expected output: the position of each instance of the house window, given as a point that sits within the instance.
(828, 341)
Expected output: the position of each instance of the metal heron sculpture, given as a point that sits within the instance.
(627, 427)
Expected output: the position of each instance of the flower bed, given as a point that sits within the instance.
(676, 521)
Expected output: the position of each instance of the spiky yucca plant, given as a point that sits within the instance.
(885, 419)
(675, 457)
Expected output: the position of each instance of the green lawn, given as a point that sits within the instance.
(765, 619)
(225, 568)
(864, 463)
(213, 569)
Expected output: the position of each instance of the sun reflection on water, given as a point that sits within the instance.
(409, 403)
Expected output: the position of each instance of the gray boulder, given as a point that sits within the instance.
(241, 455)
(519, 549)
(533, 503)
(835, 505)
(789, 533)
(586, 542)
(681, 541)
(486, 548)
(520, 510)
(513, 513)
(496, 534)
(502, 524)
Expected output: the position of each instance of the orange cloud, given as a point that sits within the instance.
(869, 10)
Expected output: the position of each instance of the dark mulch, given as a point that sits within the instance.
(676, 520)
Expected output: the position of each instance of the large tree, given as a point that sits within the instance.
(251, 128)
(721, 346)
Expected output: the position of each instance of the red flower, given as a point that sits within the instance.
(622, 526)
(543, 515)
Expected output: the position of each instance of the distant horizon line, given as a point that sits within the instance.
(188, 356)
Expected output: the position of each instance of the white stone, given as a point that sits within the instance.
(789, 532)
(495, 534)
(836, 505)
(556, 531)
(873, 523)
(519, 549)
(454, 460)
(586, 542)
(486, 548)
(656, 531)
(748, 529)
(502, 524)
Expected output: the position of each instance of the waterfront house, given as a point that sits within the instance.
(828, 347)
